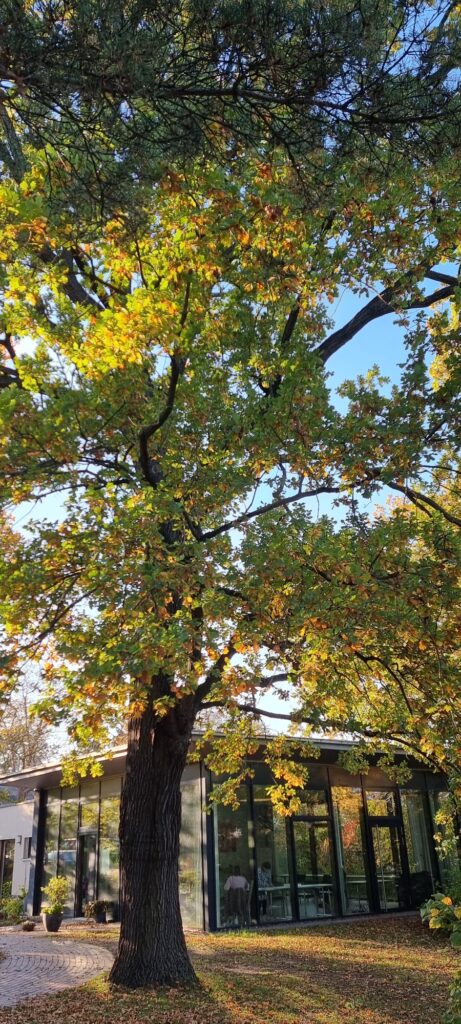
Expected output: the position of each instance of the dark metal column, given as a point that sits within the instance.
(37, 848)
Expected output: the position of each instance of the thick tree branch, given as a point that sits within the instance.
(279, 503)
(418, 499)
(12, 154)
(177, 364)
(436, 275)
(263, 683)
(296, 719)
(287, 333)
(8, 376)
(177, 368)
(382, 304)
(11, 151)
(214, 674)
(72, 286)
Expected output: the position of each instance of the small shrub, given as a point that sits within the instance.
(95, 907)
(56, 894)
(453, 887)
(440, 912)
(453, 1014)
(12, 907)
(443, 912)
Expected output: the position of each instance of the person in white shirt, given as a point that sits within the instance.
(236, 881)
(237, 889)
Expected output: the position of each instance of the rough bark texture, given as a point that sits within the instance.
(152, 949)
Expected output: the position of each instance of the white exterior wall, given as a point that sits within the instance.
(16, 820)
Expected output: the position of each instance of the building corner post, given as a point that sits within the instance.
(33, 899)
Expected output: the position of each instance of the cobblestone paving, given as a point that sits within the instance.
(40, 965)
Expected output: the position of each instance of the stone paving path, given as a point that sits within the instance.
(40, 965)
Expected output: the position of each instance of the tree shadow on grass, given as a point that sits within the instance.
(377, 975)
(382, 997)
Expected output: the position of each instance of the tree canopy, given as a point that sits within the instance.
(121, 89)
(172, 386)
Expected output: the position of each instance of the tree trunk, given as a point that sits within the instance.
(152, 948)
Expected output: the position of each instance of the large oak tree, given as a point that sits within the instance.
(167, 375)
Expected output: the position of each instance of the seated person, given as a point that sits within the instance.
(265, 874)
(264, 879)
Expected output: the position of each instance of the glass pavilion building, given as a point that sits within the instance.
(359, 845)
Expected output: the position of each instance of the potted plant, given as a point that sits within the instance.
(56, 894)
(97, 910)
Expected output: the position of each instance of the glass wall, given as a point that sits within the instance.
(67, 860)
(234, 852)
(109, 856)
(314, 873)
(274, 890)
(417, 828)
(449, 863)
(82, 844)
(50, 854)
(339, 854)
(89, 806)
(190, 855)
(391, 883)
(7, 848)
(315, 802)
(349, 828)
(381, 803)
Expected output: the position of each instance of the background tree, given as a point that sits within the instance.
(25, 740)
(170, 382)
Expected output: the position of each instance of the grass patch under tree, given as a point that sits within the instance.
(367, 972)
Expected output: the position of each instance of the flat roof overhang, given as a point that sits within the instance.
(49, 776)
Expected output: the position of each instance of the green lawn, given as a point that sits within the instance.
(370, 972)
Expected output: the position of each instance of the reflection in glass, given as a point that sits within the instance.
(314, 801)
(7, 848)
(274, 893)
(234, 862)
(12, 795)
(381, 802)
(190, 856)
(449, 863)
(417, 833)
(50, 854)
(67, 860)
(388, 867)
(88, 867)
(89, 809)
(108, 878)
(349, 833)
(314, 878)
